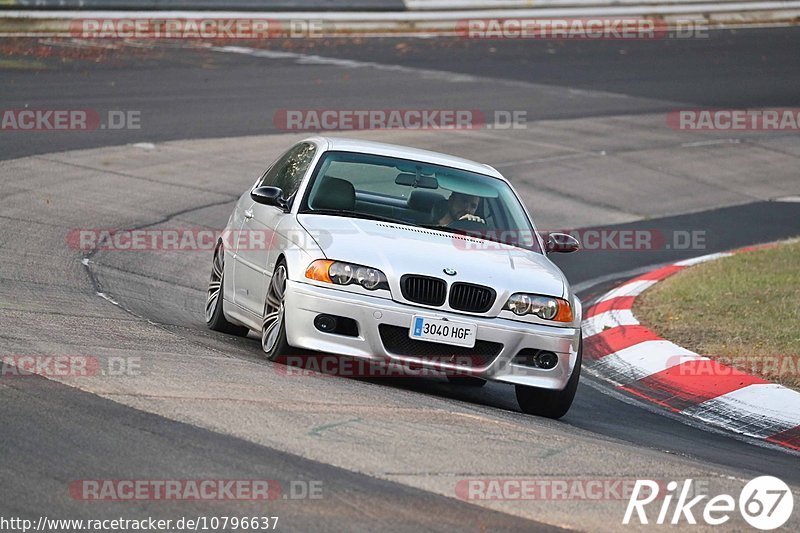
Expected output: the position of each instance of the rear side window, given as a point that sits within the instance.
(288, 171)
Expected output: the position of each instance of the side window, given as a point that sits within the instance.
(288, 171)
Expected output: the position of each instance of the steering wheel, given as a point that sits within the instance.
(468, 225)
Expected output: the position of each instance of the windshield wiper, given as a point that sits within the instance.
(357, 214)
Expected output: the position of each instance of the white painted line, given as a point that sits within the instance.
(756, 410)
(794, 199)
(438, 75)
(711, 143)
(109, 298)
(633, 288)
(145, 146)
(609, 319)
(703, 259)
(313, 59)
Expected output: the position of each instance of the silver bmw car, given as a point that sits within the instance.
(394, 254)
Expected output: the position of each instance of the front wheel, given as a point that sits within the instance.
(550, 403)
(273, 327)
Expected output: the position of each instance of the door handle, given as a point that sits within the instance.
(248, 214)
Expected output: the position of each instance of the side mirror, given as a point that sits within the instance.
(268, 196)
(562, 243)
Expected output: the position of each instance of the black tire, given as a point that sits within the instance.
(215, 318)
(273, 325)
(550, 403)
(466, 381)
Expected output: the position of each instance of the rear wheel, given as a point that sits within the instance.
(273, 328)
(215, 318)
(550, 403)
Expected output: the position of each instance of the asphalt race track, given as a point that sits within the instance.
(388, 454)
(198, 94)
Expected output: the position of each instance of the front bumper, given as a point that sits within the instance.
(304, 302)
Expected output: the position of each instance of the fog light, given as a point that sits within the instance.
(546, 360)
(325, 323)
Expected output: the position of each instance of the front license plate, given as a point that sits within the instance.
(444, 331)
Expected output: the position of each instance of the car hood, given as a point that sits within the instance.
(398, 249)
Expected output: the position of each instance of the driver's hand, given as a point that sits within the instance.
(472, 218)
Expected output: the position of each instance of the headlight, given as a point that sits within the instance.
(545, 307)
(341, 273)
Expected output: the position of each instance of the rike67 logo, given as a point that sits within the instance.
(765, 503)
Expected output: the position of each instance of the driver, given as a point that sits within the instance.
(461, 206)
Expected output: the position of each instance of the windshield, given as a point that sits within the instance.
(420, 194)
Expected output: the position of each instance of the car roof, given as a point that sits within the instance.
(405, 152)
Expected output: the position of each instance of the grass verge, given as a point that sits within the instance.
(743, 310)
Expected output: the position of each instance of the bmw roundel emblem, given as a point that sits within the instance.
(450, 272)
